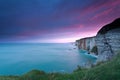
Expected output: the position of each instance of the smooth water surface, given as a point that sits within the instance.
(19, 58)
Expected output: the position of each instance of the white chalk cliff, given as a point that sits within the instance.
(107, 41)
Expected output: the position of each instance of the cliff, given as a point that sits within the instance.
(86, 44)
(106, 42)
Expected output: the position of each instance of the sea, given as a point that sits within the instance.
(19, 58)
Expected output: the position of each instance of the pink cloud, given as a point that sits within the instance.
(108, 4)
(104, 13)
(72, 27)
(95, 9)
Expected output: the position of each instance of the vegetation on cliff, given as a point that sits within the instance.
(94, 50)
(115, 24)
(106, 71)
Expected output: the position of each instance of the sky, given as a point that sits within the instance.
(54, 20)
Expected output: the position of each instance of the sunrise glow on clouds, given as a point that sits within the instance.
(54, 20)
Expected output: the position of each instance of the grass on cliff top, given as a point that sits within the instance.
(106, 71)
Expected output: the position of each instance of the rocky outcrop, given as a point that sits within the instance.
(107, 41)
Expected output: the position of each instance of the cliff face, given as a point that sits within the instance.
(86, 43)
(107, 41)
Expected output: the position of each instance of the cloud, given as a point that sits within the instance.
(47, 19)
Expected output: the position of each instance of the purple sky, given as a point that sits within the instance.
(54, 20)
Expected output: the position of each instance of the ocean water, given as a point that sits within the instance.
(17, 59)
